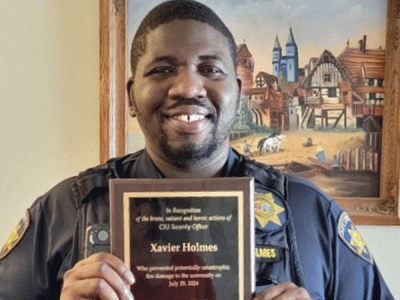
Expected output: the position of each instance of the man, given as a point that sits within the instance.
(185, 93)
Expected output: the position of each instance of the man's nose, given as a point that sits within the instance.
(188, 84)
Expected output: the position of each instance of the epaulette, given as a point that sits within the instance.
(265, 175)
(98, 177)
(89, 180)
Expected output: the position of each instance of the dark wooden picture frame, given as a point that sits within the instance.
(383, 210)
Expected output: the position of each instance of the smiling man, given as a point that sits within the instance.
(185, 93)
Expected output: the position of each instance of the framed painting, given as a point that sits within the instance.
(324, 105)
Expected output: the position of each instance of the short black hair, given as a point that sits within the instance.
(182, 10)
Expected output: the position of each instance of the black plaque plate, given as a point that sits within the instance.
(185, 239)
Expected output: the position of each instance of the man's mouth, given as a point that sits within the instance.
(189, 118)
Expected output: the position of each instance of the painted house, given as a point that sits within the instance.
(323, 102)
(258, 105)
(295, 103)
(279, 105)
(261, 96)
(322, 84)
(345, 89)
(366, 68)
(275, 102)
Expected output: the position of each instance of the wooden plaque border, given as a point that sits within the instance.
(181, 188)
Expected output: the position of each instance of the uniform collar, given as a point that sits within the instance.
(230, 166)
(136, 165)
(144, 167)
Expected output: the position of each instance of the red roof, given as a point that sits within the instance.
(243, 51)
(373, 61)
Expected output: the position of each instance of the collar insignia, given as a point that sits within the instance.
(16, 235)
(266, 210)
(352, 237)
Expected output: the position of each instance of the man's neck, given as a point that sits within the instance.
(205, 168)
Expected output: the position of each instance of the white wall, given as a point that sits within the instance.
(49, 98)
(49, 108)
(384, 243)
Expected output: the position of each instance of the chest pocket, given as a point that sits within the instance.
(272, 247)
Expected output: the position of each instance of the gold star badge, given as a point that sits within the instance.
(266, 210)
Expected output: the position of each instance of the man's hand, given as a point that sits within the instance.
(100, 276)
(287, 291)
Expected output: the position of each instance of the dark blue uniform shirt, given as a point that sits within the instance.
(319, 246)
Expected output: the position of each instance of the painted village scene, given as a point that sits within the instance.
(313, 107)
(322, 121)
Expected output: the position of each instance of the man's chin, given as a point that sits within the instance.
(188, 155)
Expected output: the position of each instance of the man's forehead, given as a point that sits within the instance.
(178, 28)
(172, 59)
(188, 35)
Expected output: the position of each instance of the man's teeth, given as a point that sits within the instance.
(189, 118)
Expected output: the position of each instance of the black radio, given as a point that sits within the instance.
(97, 239)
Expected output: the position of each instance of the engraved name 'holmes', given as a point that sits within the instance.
(184, 247)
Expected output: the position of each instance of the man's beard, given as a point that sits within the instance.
(190, 153)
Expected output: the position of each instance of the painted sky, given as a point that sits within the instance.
(317, 24)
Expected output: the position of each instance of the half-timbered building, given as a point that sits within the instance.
(262, 97)
(323, 103)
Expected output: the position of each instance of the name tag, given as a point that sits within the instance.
(268, 253)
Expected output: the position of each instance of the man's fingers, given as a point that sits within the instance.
(277, 290)
(108, 278)
(286, 290)
(95, 288)
(111, 260)
(102, 276)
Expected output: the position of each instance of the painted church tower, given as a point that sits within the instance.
(287, 66)
(292, 59)
(276, 58)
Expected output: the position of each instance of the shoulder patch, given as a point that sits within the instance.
(352, 237)
(16, 235)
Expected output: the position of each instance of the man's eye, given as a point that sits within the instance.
(161, 71)
(211, 70)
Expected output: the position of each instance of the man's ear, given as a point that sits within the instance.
(131, 100)
(239, 83)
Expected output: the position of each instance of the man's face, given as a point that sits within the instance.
(185, 92)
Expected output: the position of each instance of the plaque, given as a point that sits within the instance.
(185, 238)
